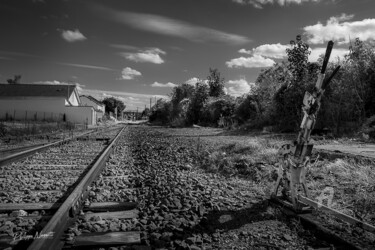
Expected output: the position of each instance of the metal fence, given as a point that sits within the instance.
(28, 115)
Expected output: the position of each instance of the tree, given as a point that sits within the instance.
(361, 62)
(298, 58)
(246, 108)
(146, 112)
(16, 79)
(179, 93)
(215, 107)
(267, 84)
(197, 101)
(160, 112)
(215, 83)
(112, 103)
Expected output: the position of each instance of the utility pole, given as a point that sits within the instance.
(136, 117)
(150, 103)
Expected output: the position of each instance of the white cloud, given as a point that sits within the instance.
(172, 27)
(192, 81)
(85, 66)
(339, 29)
(276, 51)
(255, 61)
(239, 87)
(133, 98)
(129, 73)
(72, 36)
(163, 85)
(259, 3)
(55, 82)
(150, 55)
(339, 52)
(124, 46)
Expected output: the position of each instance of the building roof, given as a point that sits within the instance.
(93, 99)
(29, 90)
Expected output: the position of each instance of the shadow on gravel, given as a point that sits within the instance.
(226, 220)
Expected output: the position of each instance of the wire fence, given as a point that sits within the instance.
(21, 123)
(28, 115)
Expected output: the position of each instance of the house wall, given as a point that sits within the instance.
(27, 108)
(73, 99)
(45, 108)
(87, 102)
(81, 115)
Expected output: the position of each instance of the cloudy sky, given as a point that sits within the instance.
(139, 49)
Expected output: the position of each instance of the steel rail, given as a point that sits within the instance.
(56, 226)
(26, 153)
(337, 214)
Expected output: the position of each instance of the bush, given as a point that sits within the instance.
(215, 107)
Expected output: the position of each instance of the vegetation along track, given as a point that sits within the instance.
(32, 189)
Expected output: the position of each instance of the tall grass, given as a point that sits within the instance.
(353, 185)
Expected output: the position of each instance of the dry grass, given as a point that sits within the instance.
(254, 158)
(353, 185)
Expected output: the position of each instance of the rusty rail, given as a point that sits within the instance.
(35, 149)
(344, 217)
(58, 223)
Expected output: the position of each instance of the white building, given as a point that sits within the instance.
(99, 107)
(44, 102)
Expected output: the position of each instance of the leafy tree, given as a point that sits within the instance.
(215, 107)
(160, 112)
(361, 62)
(288, 98)
(197, 101)
(146, 112)
(268, 83)
(246, 108)
(112, 103)
(179, 93)
(15, 80)
(298, 58)
(215, 83)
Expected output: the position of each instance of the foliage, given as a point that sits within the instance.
(348, 102)
(349, 99)
(215, 83)
(297, 57)
(179, 93)
(15, 80)
(288, 97)
(246, 108)
(199, 97)
(112, 103)
(160, 112)
(146, 112)
(268, 83)
(215, 107)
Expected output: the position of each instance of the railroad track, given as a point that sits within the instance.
(11, 144)
(40, 196)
